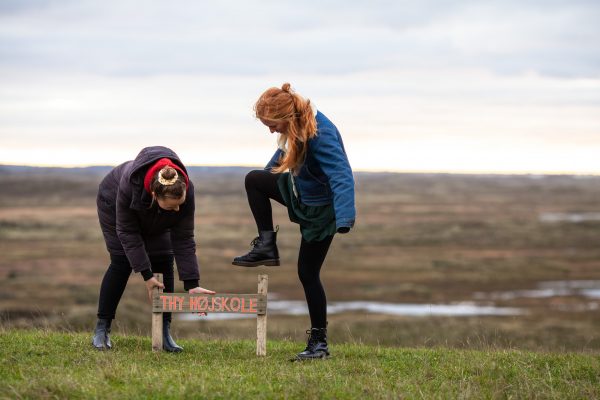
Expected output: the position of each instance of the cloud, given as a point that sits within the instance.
(237, 37)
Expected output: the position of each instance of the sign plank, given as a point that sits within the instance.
(213, 303)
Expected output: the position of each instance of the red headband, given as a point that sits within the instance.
(160, 164)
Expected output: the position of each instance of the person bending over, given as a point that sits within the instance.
(146, 212)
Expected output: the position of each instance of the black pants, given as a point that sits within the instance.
(117, 275)
(261, 186)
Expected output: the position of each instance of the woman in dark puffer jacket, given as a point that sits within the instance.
(146, 212)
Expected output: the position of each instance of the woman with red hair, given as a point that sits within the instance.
(310, 175)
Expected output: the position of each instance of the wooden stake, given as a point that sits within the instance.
(157, 321)
(261, 319)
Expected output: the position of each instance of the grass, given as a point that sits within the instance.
(45, 364)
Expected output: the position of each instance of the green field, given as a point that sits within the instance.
(44, 364)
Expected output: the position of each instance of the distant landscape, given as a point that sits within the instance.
(462, 261)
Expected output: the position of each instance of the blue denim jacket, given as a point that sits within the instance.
(325, 175)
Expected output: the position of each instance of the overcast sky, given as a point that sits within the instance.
(455, 86)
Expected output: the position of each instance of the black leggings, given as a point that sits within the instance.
(261, 186)
(117, 275)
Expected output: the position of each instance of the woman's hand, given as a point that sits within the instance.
(151, 284)
(199, 290)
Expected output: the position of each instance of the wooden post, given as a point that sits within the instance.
(157, 321)
(261, 319)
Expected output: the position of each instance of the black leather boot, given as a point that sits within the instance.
(168, 342)
(101, 339)
(316, 346)
(264, 251)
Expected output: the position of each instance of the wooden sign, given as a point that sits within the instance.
(212, 303)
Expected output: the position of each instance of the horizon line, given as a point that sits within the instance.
(373, 170)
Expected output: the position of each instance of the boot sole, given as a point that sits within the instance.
(102, 348)
(172, 350)
(266, 263)
(321, 356)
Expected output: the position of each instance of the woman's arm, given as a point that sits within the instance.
(274, 160)
(332, 159)
(129, 233)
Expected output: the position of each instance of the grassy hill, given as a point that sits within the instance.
(45, 364)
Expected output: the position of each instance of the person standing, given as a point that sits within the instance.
(146, 212)
(309, 174)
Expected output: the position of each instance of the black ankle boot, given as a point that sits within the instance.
(264, 251)
(316, 346)
(101, 339)
(168, 342)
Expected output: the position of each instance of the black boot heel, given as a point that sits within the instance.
(271, 263)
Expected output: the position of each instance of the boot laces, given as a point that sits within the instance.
(255, 241)
(312, 340)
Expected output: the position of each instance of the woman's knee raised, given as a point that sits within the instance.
(253, 178)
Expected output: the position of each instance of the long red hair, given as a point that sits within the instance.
(285, 105)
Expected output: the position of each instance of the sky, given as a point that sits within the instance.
(496, 86)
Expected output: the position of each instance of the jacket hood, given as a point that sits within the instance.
(148, 156)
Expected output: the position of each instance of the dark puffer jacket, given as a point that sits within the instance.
(135, 227)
